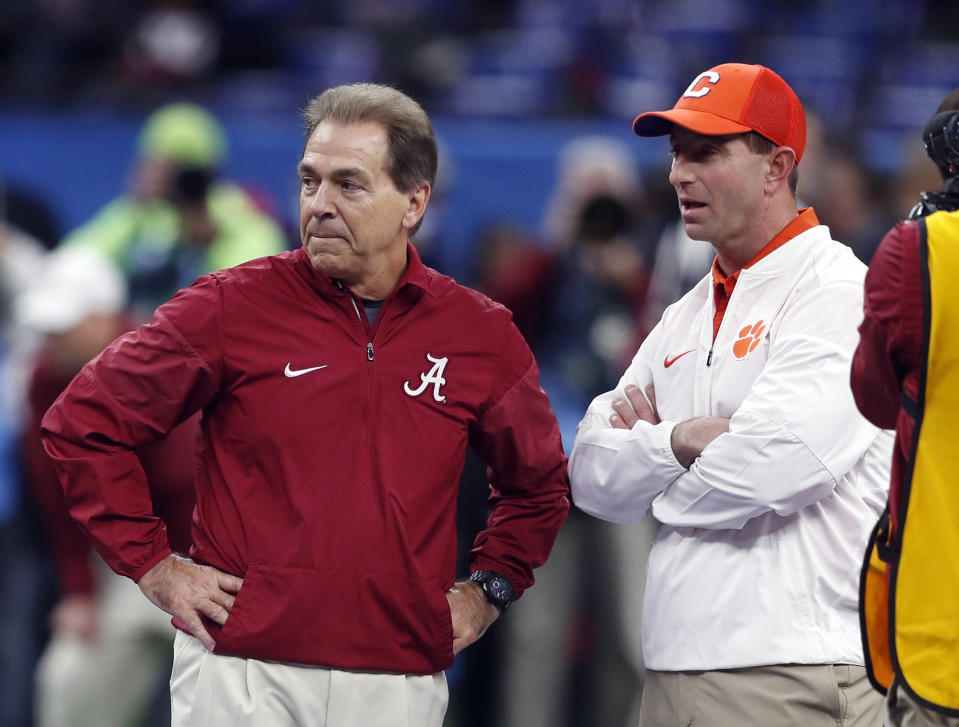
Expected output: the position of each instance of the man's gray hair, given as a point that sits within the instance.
(412, 153)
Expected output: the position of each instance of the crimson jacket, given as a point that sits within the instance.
(330, 455)
(886, 364)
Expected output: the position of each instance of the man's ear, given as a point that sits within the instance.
(781, 162)
(418, 199)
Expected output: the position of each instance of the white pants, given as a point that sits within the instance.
(106, 682)
(210, 690)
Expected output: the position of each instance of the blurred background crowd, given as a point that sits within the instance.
(143, 144)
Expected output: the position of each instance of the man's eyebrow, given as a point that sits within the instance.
(350, 173)
(344, 173)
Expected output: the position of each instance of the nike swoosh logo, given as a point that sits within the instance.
(292, 373)
(667, 362)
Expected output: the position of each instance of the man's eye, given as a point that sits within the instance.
(350, 185)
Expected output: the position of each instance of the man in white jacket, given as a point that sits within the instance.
(736, 426)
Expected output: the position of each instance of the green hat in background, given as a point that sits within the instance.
(183, 133)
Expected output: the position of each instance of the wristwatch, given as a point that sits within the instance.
(497, 589)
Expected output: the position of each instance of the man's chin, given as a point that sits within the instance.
(333, 260)
(322, 245)
(695, 231)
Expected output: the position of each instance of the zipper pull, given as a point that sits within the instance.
(369, 351)
(709, 357)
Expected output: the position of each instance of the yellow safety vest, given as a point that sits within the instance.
(910, 582)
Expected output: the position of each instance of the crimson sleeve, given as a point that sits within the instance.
(135, 392)
(877, 375)
(518, 436)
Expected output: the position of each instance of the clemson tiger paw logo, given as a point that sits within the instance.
(749, 338)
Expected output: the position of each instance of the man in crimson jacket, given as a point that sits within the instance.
(340, 385)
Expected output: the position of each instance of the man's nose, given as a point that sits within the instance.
(321, 203)
(679, 172)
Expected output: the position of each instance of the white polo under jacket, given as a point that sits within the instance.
(758, 558)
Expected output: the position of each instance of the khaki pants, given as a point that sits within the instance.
(904, 711)
(209, 690)
(767, 696)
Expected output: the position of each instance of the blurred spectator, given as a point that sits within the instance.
(178, 220)
(595, 225)
(174, 41)
(813, 163)
(27, 211)
(588, 167)
(851, 199)
(569, 658)
(27, 227)
(25, 578)
(918, 175)
(101, 628)
(515, 271)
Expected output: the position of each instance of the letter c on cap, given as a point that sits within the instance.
(711, 76)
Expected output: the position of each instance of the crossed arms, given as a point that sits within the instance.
(794, 435)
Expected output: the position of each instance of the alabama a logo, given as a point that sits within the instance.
(434, 376)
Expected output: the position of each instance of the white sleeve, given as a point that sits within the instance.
(796, 433)
(615, 473)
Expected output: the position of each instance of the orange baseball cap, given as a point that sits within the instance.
(734, 98)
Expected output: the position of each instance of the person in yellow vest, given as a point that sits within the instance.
(905, 375)
(179, 218)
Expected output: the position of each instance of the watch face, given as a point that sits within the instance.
(500, 589)
(497, 588)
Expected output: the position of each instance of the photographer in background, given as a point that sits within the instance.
(905, 377)
(179, 219)
(569, 657)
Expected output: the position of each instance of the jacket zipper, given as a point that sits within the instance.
(370, 356)
(368, 404)
(359, 317)
(709, 356)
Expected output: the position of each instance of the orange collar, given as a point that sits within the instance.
(806, 220)
(723, 284)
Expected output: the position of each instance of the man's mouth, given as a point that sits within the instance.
(687, 205)
(325, 235)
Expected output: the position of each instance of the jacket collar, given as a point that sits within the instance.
(802, 231)
(414, 282)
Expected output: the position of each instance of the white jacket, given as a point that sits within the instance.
(758, 558)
